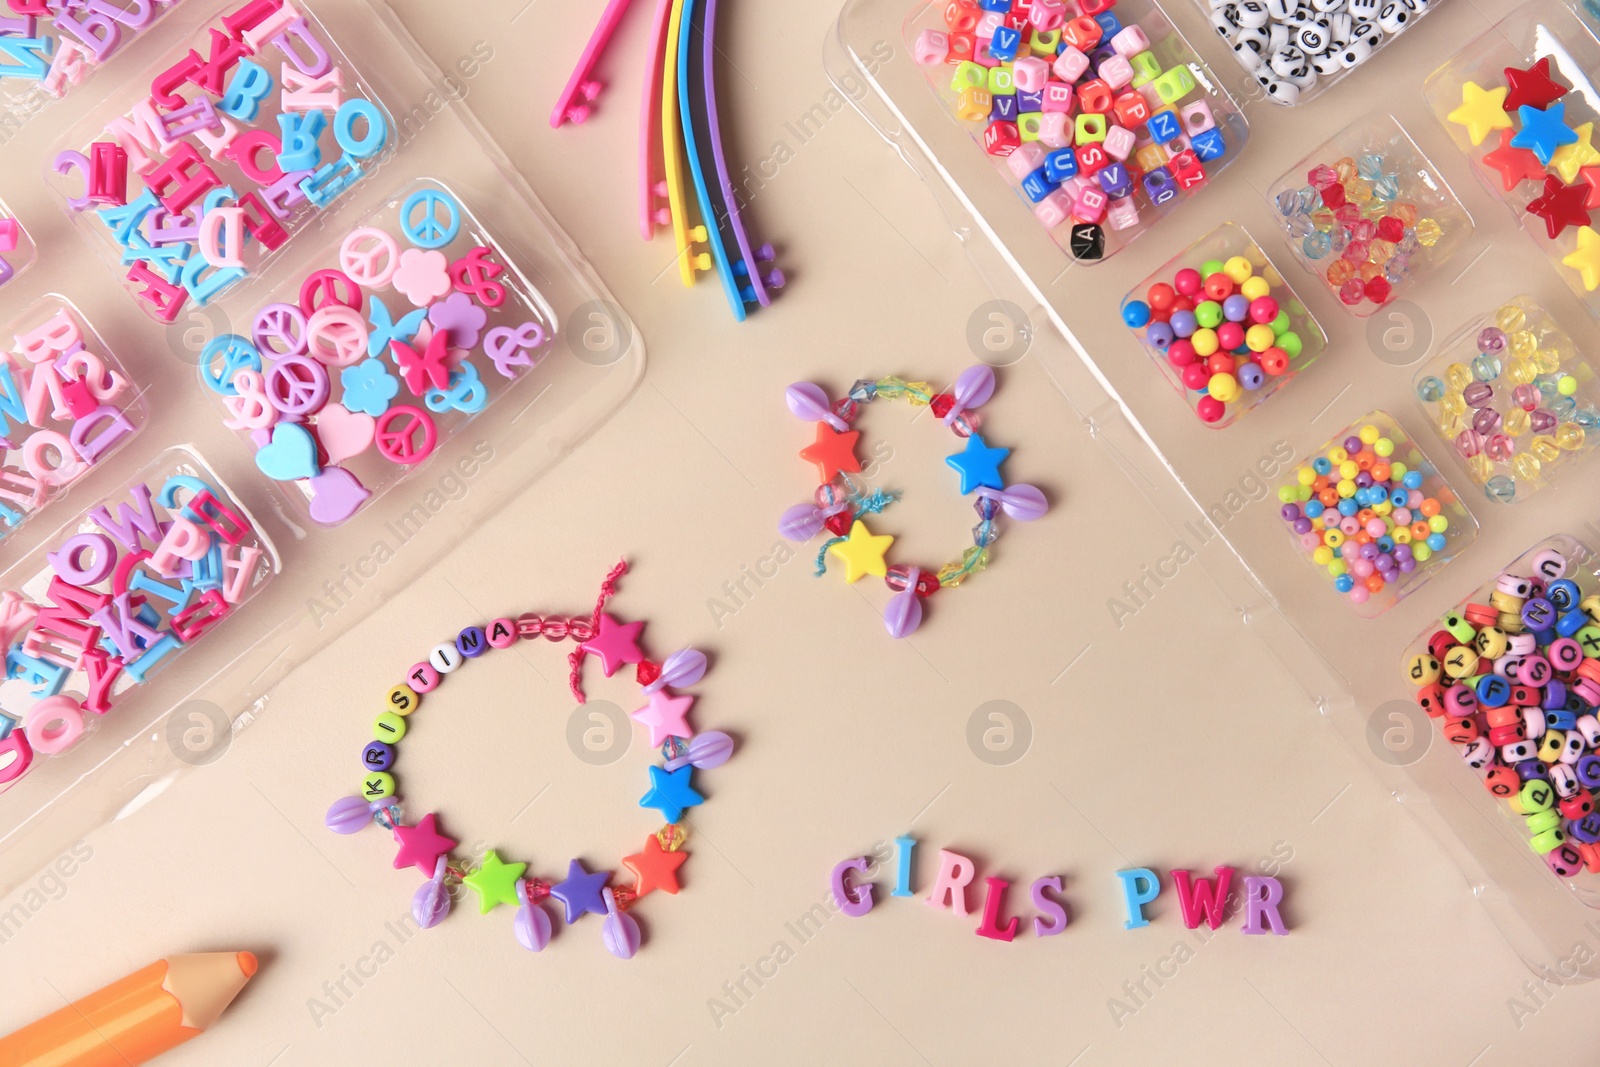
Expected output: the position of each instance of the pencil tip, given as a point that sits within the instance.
(248, 964)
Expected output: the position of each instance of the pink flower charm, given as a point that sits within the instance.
(422, 276)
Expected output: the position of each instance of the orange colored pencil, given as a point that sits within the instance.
(137, 1019)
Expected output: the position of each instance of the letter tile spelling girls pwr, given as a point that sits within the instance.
(493, 881)
(680, 128)
(1513, 678)
(841, 502)
(1102, 120)
(66, 406)
(114, 597)
(240, 142)
(49, 48)
(355, 373)
(1520, 102)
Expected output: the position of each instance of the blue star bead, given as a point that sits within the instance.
(1544, 130)
(670, 792)
(979, 465)
(581, 892)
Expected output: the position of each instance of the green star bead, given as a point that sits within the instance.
(495, 882)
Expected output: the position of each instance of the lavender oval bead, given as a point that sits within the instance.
(1486, 421)
(348, 815)
(1542, 421)
(1491, 340)
(1478, 394)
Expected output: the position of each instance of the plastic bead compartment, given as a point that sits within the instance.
(1379, 170)
(148, 277)
(521, 328)
(1582, 568)
(68, 61)
(92, 408)
(1534, 31)
(1171, 48)
(1460, 532)
(1225, 242)
(1516, 450)
(1325, 82)
(237, 564)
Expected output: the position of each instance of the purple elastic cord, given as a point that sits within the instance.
(748, 264)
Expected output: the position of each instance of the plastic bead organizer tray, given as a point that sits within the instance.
(325, 578)
(1214, 490)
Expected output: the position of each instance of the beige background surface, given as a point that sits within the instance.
(1170, 741)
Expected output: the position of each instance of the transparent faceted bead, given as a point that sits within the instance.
(985, 534)
(1317, 245)
(1486, 368)
(863, 390)
(1569, 436)
(1501, 488)
(1430, 390)
(1510, 317)
(1288, 203)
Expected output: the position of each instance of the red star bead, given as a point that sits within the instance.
(1515, 165)
(1532, 87)
(1561, 206)
(421, 846)
(832, 452)
(617, 643)
(655, 867)
(1591, 175)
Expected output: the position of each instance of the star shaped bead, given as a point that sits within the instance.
(617, 643)
(1515, 165)
(582, 892)
(1585, 259)
(495, 882)
(671, 792)
(1570, 159)
(1560, 206)
(1532, 87)
(1591, 178)
(1544, 131)
(655, 867)
(1482, 111)
(832, 452)
(979, 465)
(665, 716)
(862, 552)
(421, 845)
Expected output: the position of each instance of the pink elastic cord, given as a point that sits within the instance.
(653, 211)
(581, 91)
(608, 589)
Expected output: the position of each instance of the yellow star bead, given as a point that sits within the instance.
(1585, 259)
(1571, 158)
(495, 882)
(1482, 111)
(862, 552)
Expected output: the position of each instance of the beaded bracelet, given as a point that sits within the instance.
(840, 501)
(496, 882)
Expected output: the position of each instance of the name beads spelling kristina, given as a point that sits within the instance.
(1199, 899)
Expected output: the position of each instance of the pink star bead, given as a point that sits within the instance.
(421, 846)
(665, 716)
(617, 643)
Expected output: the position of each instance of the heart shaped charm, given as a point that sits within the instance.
(335, 495)
(292, 455)
(344, 433)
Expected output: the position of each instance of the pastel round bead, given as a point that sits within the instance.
(422, 678)
(472, 642)
(377, 756)
(403, 700)
(379, 785)
(502, 633)
(389, 727)
(445, 658)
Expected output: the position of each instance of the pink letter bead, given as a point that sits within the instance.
(950, 887)
(54, 724)
(1262, 895)
(1197, 118)
(1119, 143)
(1116, 72)
(1025, 159)
(1139, 887)
(1130, 41)
(1047, 15)
(502, 633)
(994, 898)
(932, 47)
(1090, 205)
(1031, 73)
(1123, 214)
(1202, 897)
(1058, 97)
(1071, 64)
(1052, 917)
(854, 900)
(1054, 209)
(423, 678)
(1055, 129)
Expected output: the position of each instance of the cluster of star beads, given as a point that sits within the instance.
(1512, 412)
(1362, 515)
(1534, 142)
(1221, 329)
(1079, 107)
(840, 502)
(1358, 225)
(496, 882)
(1514, 684)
